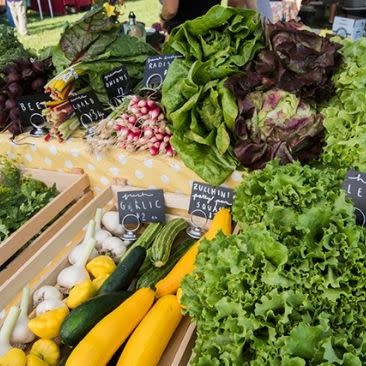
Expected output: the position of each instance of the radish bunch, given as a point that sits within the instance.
(143, 127)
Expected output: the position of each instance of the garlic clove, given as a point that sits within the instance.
(44, 293)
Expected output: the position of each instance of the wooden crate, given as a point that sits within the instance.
(44, 266)
(74, 194)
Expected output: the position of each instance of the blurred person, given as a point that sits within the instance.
(262, 6)
(9, 18)
(18, 12)
(176, 12)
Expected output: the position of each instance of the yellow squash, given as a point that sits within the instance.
(98, 282)
(101, 266)
(99, 345)
(148, 342)
(80, 293)
(33, 360)
(47, 350)
(48, 324)
(14, 357)
(171, 282)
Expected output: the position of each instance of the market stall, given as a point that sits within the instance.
(271, 274)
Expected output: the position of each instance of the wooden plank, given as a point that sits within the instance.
(45, 236)
(35, 224)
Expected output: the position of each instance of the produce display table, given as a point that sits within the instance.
(139, 168)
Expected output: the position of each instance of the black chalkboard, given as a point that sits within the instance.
(87, 108)
(30, 108)
(148, 205)
(156, 68)
(117, 84)
(209, 199)
(355, 186)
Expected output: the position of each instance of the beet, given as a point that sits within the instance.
(10, 104)
(23, 63)
(39, 67)
(38, 84)
(28, 73)
(14, 114)
(12, 77)
(3, 119)
(14, 90)
(10, 69)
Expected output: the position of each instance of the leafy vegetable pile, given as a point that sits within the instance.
(277, 124)
(294, 60)
(289, 289)
(200, 109)
(345, 115)
(10, 47)
(20, 196)
(92, 45)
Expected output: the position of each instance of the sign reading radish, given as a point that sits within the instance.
(142, 206)
(117, 84)
(206, 200)
(355, 186)
(87, 108)
(156, 68)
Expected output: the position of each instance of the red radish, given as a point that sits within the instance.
(153, 139)
(144, 110)
(148, 132)
(138, 115)
(169, 150)
(151, 103)
(159, 136)
(118, 127)
(134, 110)
(155, 113)
(166, 138)
(154, 151)
(132, 119)
(141, 103)
(157, 144)
(161, 117)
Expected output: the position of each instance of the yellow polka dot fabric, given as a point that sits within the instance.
(139, 168)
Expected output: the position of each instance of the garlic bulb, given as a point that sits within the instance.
(110, 221)
(100, 234)
(114, 247)
(78, 250)
(7, 329)
(49, 304)
(44, 293)
(21, 333)
(71, 276)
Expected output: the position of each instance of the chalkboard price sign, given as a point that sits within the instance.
(31, 107)
(117, 84)
(87, 108)
(148, 205)
(355, 186)
(156, 68)
(206, 200)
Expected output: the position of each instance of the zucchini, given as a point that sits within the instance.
(147, 265)
(79, 322)
(160, 250)
(153, 275)
(146, 238)
(125, 272)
